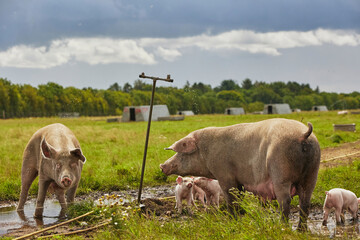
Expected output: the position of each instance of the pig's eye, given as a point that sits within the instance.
(73, 165)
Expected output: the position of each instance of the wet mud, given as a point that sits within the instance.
(159, 202)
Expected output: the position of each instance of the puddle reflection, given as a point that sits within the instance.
(10, 219)
(331, 230)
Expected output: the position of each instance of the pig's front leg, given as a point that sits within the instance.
(43, 186)
(326, 215)
(178, 203)
(228, 185)
(190, 202)
(70, 194)
(338, 215)
(217, 199)
(60, 195)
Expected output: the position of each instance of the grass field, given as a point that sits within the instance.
(114, 154)
(114, 151)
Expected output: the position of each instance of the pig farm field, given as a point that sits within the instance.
(111, 176)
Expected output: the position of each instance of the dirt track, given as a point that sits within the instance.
(330, 157)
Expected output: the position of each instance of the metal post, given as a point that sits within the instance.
(168, 79)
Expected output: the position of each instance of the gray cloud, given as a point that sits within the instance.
(40, 21)
(143, 51)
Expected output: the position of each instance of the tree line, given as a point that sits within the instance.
(17, 100)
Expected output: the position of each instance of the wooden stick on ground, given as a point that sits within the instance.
(75, 232)
(342, 156)
(54, 226)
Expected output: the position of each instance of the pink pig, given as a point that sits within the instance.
(198, 194)
(183, 190)
(341, 200)
(211, 188)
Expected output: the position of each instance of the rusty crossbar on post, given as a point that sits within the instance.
(167, 79)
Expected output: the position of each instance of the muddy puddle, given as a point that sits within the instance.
(350, 229)
(10, 220)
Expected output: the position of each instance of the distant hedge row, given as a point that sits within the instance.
(51, 99)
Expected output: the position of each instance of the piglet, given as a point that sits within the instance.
(211, 188)
(198, 194)
(183, 190)
(341, 200)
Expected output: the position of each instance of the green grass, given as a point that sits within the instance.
(114, 154)
(114, 151)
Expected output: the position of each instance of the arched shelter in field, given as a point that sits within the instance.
(141, 113)
(277, 108)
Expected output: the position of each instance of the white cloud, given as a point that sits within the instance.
(168, 54)
(28, 57)
(143, 50)
(89, 50)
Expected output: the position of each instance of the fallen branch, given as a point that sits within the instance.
(75, 232)
(164, 198)
(54, 226)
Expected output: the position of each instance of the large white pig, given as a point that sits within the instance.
(53, 153)
(275, 158)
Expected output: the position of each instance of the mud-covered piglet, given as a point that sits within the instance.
(183, 191)
(211, 188)
(342, 200)
(53, 153)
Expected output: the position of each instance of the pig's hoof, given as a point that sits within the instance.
(38, 213)
(340, 224)
(38, 216)
(324, 223)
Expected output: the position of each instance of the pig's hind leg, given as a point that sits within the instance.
(282, 193)
(28, 175)
(353, 209)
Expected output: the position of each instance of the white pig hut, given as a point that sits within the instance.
(186, 113)
(278, 108)
(234, 111)
(141, 113)
(320, 108)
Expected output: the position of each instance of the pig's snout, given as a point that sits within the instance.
(165, 168)
(66, 181)
(189, 185)
(162, 167)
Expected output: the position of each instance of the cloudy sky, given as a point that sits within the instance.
(91, 43)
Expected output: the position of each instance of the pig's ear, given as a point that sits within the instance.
(185, 145)
(47, 150)
(179, 180)
(77, 153)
